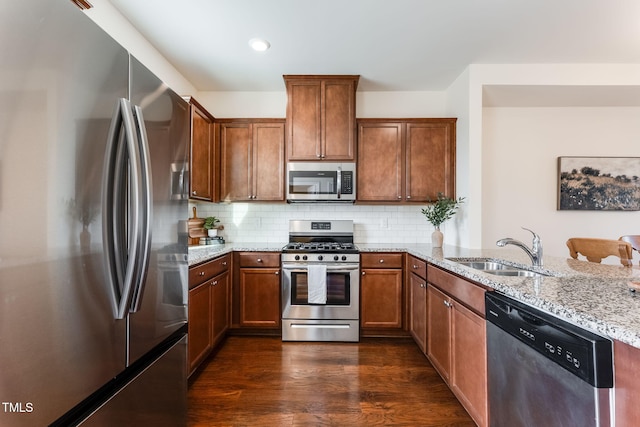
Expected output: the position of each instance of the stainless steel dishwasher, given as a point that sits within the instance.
(543, 371)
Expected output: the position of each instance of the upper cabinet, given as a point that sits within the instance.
(202, 163)
(252, 159)
(406, 160)
(321, 117)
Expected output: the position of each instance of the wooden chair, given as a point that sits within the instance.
(596, 249)
(633, 239)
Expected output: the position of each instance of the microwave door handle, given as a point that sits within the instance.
(339, 182)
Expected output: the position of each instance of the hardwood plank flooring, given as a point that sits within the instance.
(262, 381)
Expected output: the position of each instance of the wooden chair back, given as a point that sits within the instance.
(596, 249)
(633, 239)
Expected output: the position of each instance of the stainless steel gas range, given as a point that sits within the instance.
(320, 282)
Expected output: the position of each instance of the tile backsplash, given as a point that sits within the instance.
(269, 222)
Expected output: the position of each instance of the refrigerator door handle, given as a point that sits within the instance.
(121, 230)
(146, 212)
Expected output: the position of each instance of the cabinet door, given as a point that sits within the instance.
(469, 361)
(200, 324)
(379, 177)
(338, 120)
(418, 310)
(235, 145)
(439, 331)
(220, 288)
(268, 161)
(430, 160)
(381, 298)
(627, 383)
(260, 297)
(201, 169)
(304, 119)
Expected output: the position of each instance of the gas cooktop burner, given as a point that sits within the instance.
(321, 247)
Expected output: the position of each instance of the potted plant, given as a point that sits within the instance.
(210, 225)
(440, 211)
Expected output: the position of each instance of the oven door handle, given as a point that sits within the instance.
(303, 269)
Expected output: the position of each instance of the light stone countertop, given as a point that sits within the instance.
(590, 295)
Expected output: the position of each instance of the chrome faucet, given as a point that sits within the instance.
(535, 253)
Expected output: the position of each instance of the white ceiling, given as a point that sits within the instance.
(394, 45)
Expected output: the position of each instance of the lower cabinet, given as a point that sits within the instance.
(417, 288)
(456, 339)
(381, 292)
(626, 360)
(259, 290)
(209, 292)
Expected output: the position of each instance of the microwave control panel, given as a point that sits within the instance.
(347, 182)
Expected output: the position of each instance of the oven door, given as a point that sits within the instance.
(343, 299)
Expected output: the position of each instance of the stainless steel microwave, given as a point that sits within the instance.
(321, 182)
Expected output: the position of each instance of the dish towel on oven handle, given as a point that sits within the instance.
(317, 284)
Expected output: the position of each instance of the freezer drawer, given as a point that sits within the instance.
(156, 396)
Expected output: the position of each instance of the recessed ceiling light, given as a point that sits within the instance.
(259, 45)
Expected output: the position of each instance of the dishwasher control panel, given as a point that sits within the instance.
(585, 354)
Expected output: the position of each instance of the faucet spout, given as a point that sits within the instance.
(535, 252)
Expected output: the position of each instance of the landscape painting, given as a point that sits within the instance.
(599, 183)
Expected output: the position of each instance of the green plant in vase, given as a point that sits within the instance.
(443, 209)
(210, 225)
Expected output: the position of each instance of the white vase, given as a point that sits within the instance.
(437, 238)
(212, 232)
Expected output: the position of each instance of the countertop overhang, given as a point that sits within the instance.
(590, 295)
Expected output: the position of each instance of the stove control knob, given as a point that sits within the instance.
(319, 257)
(344, 257)
(297, 257)
(304, 257)
(336, 257)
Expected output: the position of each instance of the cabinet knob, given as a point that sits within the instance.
(381, 261)
(194, 192)
(399, 196)
(318, 156)
(447, 304)
(201, 273)
(408, 197)
(277, 273)
(363, 273)
(259, 260)
(215, 282)
(414, 266)
(224, 263)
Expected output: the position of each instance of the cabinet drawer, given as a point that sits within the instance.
(202, 272)
(259, 259)
(464, 291)
(417, 266)
(381, 260)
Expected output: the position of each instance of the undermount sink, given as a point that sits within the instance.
(497, 267)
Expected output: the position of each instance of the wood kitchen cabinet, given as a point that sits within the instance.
(381, 292)
(456, 339)
(321, 117)
(259, 290)
(405, 160)
(209, 291)
(252, 159)
(417, 288)
(627, 383)
(203, 160)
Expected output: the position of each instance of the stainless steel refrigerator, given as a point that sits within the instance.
(93, 269)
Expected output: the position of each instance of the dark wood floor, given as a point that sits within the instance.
(261, 381)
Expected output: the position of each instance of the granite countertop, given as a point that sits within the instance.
(590, 295)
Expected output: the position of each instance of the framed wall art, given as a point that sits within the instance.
(599, 183)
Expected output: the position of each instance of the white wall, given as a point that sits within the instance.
(520, 147)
